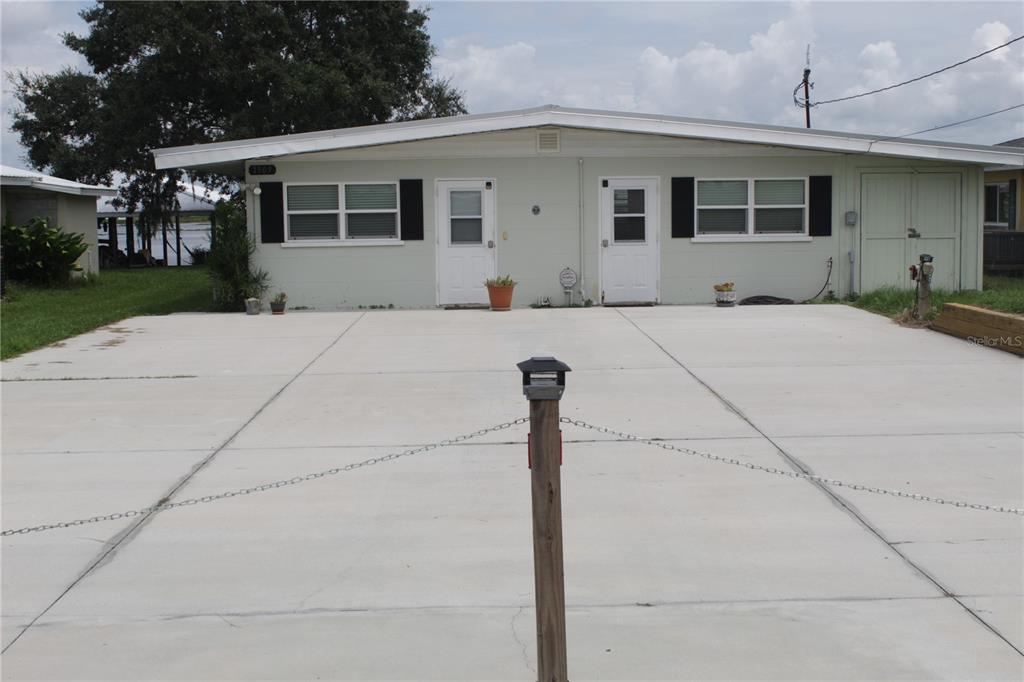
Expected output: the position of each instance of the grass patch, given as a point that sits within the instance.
(32, 317)
(1005, 294)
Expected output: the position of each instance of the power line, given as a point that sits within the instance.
(914, 80)
(945, 125)
(966, 120)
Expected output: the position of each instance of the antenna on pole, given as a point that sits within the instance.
(806, 84)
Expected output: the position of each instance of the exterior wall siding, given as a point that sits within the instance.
(78, 214)
(535, 248)
(71, 213)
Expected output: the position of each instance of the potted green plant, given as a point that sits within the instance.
(278, 303)
(725, 294)
(499, 291)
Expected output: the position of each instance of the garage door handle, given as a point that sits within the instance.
(490, 243)
(913, 234)
(604, 243)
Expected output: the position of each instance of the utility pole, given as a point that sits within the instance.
(543, 385)
(807, 85)
(807, 96)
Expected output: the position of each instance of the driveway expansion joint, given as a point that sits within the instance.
(125, 536)
(835, 497)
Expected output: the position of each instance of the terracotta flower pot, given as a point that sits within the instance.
(501, 297)
(277, 308)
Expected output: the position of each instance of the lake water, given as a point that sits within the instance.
(192, 235)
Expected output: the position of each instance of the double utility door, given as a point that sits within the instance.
(906, 214)
(629, 247)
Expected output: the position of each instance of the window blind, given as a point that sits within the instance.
(722, 193)
(768, 192)
(370, 197)
(313, 198)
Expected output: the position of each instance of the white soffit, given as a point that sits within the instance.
(226, 155)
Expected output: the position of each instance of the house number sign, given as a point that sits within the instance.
(567, 278)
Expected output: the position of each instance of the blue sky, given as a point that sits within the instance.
(725, 60)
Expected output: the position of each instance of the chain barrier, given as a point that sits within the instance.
(664, 445)
(160, 507)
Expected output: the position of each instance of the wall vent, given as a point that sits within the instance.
(547, 140)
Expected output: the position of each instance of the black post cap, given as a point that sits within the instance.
(546, 387)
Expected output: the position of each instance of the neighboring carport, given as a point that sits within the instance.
(25, 195)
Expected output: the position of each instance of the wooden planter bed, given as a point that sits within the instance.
(985, 327)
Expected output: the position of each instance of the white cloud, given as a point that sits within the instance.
(708, 80)
(755, 82)
(501, 77)
(993, 34)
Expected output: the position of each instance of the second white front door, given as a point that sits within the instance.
(465, 240)
(630, 259)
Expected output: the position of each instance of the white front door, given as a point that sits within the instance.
(465, 240)
(630, 260)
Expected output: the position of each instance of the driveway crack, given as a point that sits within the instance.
(522, 644)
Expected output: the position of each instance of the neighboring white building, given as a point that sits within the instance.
(644, 208)
(69, 205)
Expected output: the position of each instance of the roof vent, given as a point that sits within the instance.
(547, 140)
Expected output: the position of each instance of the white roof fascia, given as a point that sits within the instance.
(368, 136)
(83, 191)
(17, 177)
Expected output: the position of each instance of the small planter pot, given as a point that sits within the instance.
(277, 308)
(252, 306)
(725, 299)
(501, 297)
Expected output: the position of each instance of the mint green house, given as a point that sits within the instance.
(643, 208)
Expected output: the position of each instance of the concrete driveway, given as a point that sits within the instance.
(421, 567)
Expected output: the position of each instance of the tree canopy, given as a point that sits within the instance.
(178, 73)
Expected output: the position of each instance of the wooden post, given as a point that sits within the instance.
(924, 286)
(544, 390)
(163, 231)
(112, 238)
(177, 234)
(548, 575)
(129, 238)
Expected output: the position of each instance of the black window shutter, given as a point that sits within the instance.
(1012, 222)
(682, 207)
(410, 194)
(820, 206)
(271, 213)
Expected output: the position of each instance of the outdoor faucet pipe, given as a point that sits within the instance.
(579, 211)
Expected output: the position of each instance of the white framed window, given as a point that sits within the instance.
(371, 210)
(312, 212)
(997, 204)
(751, 208)
(340, 213)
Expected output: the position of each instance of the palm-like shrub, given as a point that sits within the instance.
(235, 278)
(37, 253)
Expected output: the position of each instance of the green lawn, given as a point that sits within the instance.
(1001, 293)
(32, 317)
